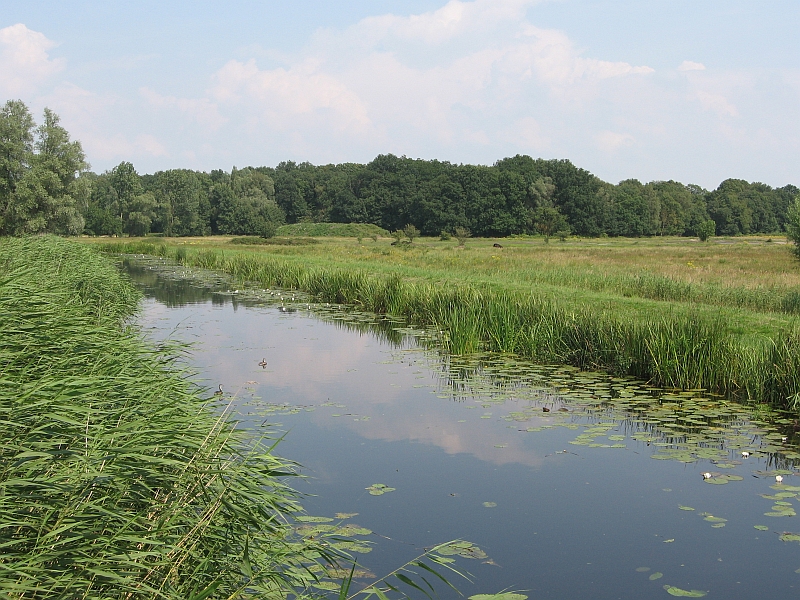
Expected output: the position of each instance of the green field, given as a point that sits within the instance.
(721, 315)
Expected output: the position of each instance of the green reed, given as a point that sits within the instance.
(677, 350)
(118, 479)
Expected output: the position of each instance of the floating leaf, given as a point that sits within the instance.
(326, 585)
(500, 596)
(655, 576)
(713, 519)
(490, 504)
(669, 541)
(360, 548)
(790, 537)
(346, 515)
(676, 591)
(685, 508)
(761, 527)
(378, 489)
(351, 530)
(463, 549)
(642, 569)
(308, 519)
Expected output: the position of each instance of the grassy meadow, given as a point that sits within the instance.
(721, 315)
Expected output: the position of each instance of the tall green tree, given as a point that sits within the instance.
(16, 152)
(793, 225)
(41, 191)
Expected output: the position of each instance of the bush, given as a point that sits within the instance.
(462, 233)
(706, 229)
(793, 225)
(411, 232)
(267, 229)
(445, 236)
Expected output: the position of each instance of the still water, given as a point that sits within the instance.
(574, 485)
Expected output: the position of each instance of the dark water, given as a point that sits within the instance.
(570, 520)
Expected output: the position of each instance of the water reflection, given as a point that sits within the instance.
(566, 457)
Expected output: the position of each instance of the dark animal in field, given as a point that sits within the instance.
(495, 245)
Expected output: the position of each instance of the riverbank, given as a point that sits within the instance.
(671, 311)
(119, 478)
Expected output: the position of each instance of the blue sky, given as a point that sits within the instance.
(696, 91)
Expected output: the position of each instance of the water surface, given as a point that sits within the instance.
(575, 485)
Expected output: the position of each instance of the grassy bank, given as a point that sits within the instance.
(118, 479)
(536, 300)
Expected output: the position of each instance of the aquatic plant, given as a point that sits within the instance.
(117, 478)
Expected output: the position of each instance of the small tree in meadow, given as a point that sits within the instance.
(793, 225)
(549, 222)
(411, 232)
(398, 236)
(706, 229)
(461, 233)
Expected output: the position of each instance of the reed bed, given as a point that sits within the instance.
(118, 479)
(684, 349)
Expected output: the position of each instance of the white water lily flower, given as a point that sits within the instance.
(706, 475)
(745, 454)
(778, 478)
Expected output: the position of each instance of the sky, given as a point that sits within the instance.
(692, 90)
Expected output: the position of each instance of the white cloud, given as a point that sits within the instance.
(611, 141)
(456, 18)
(401, 82)
(95, 120)
(553, 56)
(201, 110)
(526, 134)
(717, 103)
(281, 97)
(24, 61)
(689, 65)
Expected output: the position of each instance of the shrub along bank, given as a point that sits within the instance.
(117, 478)
(676, 347)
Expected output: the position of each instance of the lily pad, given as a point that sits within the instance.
(713, 519)
(378, 489)
(685, 508)
(308, 519)
(656, 575)
(676, 591)
(642, 569)
(346, 515)
(500, 596)
(462, 548)
(351, 529)
(330, 586)
(490, 504)
(790, 537)
(761, 527)
(359, 548)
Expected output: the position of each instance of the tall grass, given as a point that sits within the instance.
(678, 350)
(117, 478)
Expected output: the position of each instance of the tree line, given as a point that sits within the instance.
(45, 186)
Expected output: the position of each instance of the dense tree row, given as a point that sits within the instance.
(44, 187)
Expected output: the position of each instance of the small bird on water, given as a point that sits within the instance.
(263, 363)
(219, 392)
